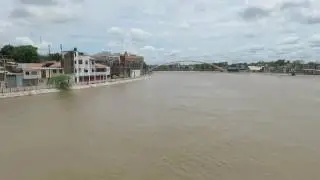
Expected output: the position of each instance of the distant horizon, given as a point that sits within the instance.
(173, 58)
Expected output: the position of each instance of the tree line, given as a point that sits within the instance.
(193, 67)
(206, 67)
(27, 54)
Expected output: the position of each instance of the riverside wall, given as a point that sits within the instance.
(75, 87)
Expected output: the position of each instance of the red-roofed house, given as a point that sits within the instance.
(39, 73)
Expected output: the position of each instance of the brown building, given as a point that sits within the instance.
(67, 62)
(121, 65)
(130, 62)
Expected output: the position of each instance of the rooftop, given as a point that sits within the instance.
(47, 64)
(30, 65)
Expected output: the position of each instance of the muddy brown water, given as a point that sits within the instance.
(174, 126)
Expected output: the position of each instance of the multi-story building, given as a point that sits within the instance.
(131, 65)
(84, 67)
(122, 65)
(111, 60)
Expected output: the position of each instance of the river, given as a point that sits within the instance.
(174, 126)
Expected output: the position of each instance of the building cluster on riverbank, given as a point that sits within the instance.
(279, 66)
(80, 67)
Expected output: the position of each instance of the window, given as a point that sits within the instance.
(86, 62)
(92, 62)
(34, 73)
(101, 70)
(80, 61)
(92, 70)
(54, 71)
(75, 70)
(60, 71)
(27, 73)
(85, 70)
(75, 62)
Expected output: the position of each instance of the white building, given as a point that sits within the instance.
(34, 74)
(256, 68)
(87, 70)
(31, 73)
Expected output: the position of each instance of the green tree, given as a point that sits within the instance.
(25, 54)
(163, 68)
(197, 67)
(280, 62)
(56, 57)
(61, 82)
(7, 50)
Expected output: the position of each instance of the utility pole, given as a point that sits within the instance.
(5, 72)
(49, 49)
(61, 55)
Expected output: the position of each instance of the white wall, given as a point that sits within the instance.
(33, 74)
(80, 69)
(135, 73)
(88, 63)
(108, 71)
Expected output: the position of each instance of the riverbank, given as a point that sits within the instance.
(76, 87)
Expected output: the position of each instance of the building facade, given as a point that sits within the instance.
(122, 65)
(39, 73)
(84, 68)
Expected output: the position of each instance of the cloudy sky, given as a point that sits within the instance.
(210, 30)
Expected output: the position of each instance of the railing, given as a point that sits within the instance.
(24, 89)
(102, 81)
(91, 82)
(4, 91)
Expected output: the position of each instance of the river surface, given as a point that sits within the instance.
(174, 126)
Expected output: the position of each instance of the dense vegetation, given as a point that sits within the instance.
(27, 54)
(61, 82)
(193, 67)
(298, 64)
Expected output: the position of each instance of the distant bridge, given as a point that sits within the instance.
(190, 61)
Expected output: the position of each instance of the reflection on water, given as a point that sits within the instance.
(173, 126)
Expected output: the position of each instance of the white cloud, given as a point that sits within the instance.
(314, 41)
(148, 48)
(173, 54)
(114, 44)
(23, 41)
(42, 46)
(161, 49)
(116, 31)
(290, 40)
(46, 11)
(137, 34)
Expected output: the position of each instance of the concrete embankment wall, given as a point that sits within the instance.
(44, 91)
